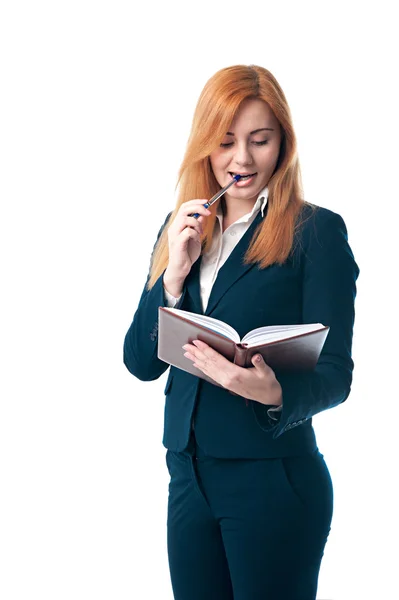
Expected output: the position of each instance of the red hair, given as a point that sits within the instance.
(218, 103)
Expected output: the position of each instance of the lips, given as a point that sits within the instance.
(243, 175)
(246, 179)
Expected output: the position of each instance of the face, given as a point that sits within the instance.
(251, 148)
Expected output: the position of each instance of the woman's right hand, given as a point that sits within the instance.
(184, 238)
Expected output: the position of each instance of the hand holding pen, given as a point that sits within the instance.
(184, 239)
(219, 194)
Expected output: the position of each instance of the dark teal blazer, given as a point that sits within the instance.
(317, 284)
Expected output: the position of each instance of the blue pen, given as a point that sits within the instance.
(218, 195)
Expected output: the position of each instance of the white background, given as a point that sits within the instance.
(96, 105)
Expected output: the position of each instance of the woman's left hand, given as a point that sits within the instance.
(258, 383)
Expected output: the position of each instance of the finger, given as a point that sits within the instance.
(195, 224)
(195, 208)
(189, 234)
(200, 201)
(189, 222)
(204, 348)
(195, 352)
(210, 357)
(202, 354)
(260, 365)
(201, 220)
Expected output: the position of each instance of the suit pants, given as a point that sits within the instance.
(246, 529)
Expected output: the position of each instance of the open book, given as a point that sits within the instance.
(283, 347)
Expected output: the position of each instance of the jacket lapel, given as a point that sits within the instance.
(193, 286)
(233, 269)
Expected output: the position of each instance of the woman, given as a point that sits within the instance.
(250, 496)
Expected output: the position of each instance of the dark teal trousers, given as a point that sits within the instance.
(247, 529)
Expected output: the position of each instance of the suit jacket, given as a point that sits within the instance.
(317, 284)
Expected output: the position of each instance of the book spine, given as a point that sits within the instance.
(240, 355)
(240, 358)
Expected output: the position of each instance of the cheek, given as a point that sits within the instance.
(269, 160)
(218, 162)
(213, 162)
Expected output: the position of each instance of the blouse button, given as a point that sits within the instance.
(233, 232)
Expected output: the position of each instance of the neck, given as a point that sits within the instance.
(234, 208)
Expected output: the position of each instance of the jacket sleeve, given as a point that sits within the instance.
(329, 274)
(140, 348)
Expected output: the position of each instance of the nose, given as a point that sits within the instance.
(242, 155)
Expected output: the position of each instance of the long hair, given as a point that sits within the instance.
(218, 103)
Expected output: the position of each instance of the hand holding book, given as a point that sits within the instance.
(285, 347)
(259, 383)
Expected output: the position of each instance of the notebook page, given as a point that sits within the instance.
(278, 332)
(209, 322)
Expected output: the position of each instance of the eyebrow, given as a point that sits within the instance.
(254, 131)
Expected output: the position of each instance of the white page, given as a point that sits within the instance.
(209, 322)
(278, 332)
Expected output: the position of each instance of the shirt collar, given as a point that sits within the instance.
(259, 205)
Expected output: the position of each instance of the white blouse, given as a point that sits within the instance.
(223, 243)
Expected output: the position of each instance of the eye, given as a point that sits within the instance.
(228, 144)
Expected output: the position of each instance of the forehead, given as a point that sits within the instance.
(252, 114)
